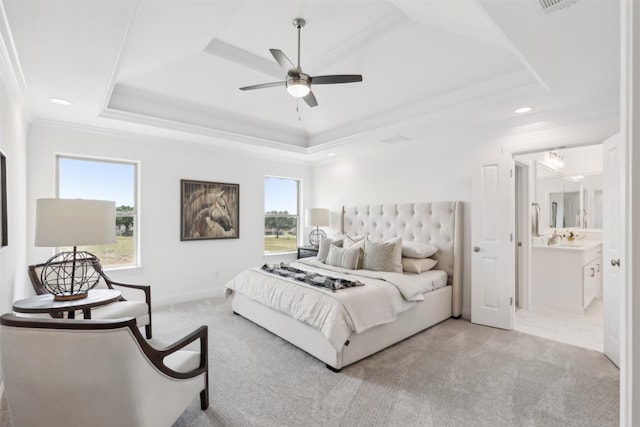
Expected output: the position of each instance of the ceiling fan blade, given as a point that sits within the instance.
(263, 85)
(311, 100)
(336, 78)
(282, 59)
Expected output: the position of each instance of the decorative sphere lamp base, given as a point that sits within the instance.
(315, 236)
(69, 275)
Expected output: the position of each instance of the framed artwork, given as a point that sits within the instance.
(3, 200)
(209, 210)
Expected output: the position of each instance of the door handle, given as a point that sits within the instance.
(615, 262)
(593, 272)
(476, 249)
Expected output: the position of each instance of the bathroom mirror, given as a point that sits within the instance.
(568, 202)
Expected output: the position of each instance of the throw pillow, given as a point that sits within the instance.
(343, 257)
(413, 265)
(323, 249)
(355, 242)
(418, 250)
(385, 256)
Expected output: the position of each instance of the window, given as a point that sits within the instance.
(281, 218)
(82, 178)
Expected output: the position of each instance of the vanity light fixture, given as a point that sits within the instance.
(522, 110)
(60, 101)
(554, 160)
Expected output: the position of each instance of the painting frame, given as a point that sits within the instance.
(4, 229)
(209, 210)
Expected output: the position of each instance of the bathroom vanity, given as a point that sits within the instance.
(567, 276)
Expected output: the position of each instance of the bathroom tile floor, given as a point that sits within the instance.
(582, 331)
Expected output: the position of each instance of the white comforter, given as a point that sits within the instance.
(338, 314)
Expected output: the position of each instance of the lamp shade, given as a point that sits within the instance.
(317, 217)
(75, 222)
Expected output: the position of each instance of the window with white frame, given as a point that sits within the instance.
(103, 179)
(281, 217)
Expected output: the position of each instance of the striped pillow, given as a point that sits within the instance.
(343, 257)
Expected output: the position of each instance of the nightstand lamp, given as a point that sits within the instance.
(317, 217)
(73, 222)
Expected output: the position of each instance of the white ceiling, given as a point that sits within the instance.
(173, 68)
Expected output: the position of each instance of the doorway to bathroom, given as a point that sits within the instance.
(558, 279)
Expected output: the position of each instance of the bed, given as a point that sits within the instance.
(435, 223)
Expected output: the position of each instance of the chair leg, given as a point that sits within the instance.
(204, 399)
(147, 330)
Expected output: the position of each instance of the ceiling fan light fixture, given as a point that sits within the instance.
(298, 86)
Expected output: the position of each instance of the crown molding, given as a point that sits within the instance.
(142, 136)
(10, 68)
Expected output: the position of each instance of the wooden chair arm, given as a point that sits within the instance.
(157, 355)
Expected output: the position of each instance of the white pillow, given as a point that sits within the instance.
(355, 242)
(343, 257)
(414, 265)
(350, 241)
(385, 256)
(418, 250)
(323, 249)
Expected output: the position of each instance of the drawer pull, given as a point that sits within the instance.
(593, 272)
(615, 262)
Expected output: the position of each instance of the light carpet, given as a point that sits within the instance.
(453, 374)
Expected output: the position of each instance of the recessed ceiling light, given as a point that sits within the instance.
(60, 101)
(522, 110)
(331, 154)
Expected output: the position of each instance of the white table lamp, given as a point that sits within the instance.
(73, 222)
(317, 217)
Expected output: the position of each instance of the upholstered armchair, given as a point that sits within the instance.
(139, 306)
(62, 372)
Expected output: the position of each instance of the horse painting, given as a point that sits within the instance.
(209, 210)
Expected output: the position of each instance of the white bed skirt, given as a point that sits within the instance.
(434, 309)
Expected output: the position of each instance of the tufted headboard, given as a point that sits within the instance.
(436, 223)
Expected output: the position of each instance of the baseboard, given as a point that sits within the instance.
(214, 292)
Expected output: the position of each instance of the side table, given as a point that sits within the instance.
(45, 303)
(307, 251)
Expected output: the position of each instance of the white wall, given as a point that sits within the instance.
(13, 145)
(408, 172)
(436, 168)
(176, 270)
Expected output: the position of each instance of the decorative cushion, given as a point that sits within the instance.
(356, 242)
(385, 256)
(414, 265)
(323, 249)
(350, 241)
(343, 257)
(418, 250)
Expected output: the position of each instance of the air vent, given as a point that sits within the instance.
(552, 5)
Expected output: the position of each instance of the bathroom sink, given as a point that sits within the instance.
(569, 245)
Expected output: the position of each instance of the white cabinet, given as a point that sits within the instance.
(566, 278)
(591, 277)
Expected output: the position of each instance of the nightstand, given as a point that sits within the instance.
(307, 251)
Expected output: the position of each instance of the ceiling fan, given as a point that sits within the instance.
(298, 83)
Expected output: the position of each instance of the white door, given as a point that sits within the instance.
(492, 230)
(613, 239)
